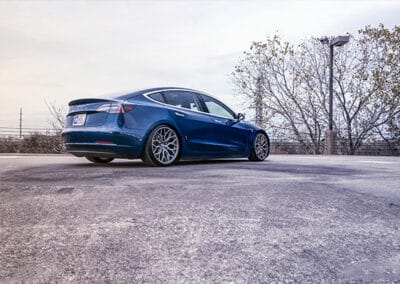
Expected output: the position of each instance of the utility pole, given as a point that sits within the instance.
(331, 87)
(259, 103)
(20, 123)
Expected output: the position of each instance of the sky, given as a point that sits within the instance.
(57, 51)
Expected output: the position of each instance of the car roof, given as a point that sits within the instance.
(129, 95)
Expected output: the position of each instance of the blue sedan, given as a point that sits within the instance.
(161, 126)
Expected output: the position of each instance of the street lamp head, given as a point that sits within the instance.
(339, 40)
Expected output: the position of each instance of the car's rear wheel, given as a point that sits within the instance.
(162, 147)
(99, 160)
(260, 147)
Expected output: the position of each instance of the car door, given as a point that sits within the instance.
(193, 123)
(228, 134)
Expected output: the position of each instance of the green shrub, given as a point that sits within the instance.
(34, 143)
(9, 145)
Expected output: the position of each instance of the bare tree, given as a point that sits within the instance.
(58, 115)
(248, 78)
(364, 82)
(290, 95)
(295, 86)
(388, 43)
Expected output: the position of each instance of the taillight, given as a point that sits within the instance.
(116, 108)
(128, 108)
(104, 107)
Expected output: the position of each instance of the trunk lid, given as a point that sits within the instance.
(88, 112)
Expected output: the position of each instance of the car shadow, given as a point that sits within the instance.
(140, 164)
(238, 164)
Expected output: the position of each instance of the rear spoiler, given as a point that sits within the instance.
(87, 101)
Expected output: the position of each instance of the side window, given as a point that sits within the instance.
(217, 108)
(181, 99)
(157, 97)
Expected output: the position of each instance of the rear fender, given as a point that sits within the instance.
(172, 124)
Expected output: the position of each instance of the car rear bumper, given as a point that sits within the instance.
(106, 151)
(102, 143)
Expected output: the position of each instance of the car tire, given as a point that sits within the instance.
(162, 147)
(99, 160)
(260, 147)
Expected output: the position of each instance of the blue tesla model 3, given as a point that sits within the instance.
(160, 126)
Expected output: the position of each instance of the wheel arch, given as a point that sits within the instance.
(260, 131)
(253, 136)
(154, 126)
(253, 139)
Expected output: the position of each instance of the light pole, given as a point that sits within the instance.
(337, 41)
(330, 135)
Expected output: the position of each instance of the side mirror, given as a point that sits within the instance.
(240, 116)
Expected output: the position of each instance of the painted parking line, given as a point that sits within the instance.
(377, 162)
(10, 157)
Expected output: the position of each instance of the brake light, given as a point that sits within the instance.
(104, 107)
(115, 108)
(111, 108)
(128, 108)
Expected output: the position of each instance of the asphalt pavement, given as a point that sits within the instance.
(288, 219)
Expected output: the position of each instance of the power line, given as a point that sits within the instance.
(27, 128)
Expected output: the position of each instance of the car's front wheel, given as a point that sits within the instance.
(260, 147)
(99, 160)
(162, 147)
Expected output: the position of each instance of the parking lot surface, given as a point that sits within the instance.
(290, 218)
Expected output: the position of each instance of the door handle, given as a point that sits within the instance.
(217, 120)
(179, 114)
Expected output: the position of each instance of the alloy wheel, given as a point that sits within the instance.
(261, 146)
(165, 145)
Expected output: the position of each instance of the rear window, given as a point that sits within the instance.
(157, 97)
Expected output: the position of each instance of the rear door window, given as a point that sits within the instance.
(182, 99)
(157, 97)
